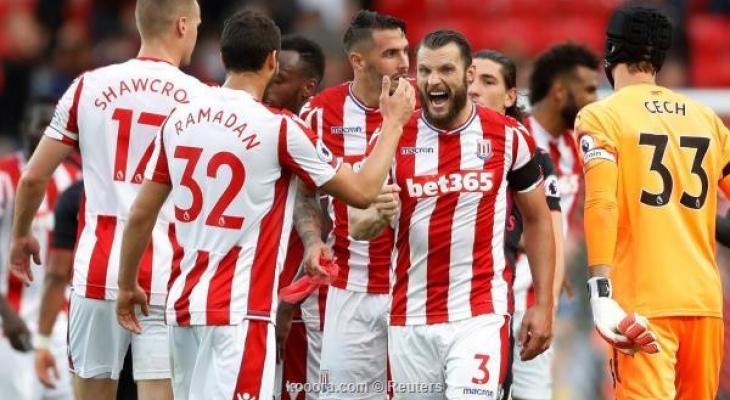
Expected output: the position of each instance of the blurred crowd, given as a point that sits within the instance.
(45, 44)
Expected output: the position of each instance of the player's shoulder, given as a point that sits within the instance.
(332, 96)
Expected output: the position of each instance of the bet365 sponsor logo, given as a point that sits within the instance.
(462, 181)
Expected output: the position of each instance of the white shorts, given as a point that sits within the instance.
(98, 344)
(467, 359)
(355, 345)
(531, 380)
(18, 379)
(223, 362)
(300, 363)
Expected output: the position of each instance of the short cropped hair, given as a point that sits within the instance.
(365, 22)
(310, 54)
(438, 39)
(154, 16)
(248, 38)
(556, 62)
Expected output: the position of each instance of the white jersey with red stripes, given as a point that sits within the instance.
(231, 162)
(26, 300)
(113, 115)
(449, 259)
(563, 151)
(346, 125)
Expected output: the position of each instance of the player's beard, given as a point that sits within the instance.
(456, 102)
(569, 110)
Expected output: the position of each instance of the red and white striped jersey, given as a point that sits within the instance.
(113, 115)
(345, 125)
(230, 162)
(26, 300)
(449, 259)
(563, 150)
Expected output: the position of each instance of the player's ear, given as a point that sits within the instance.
(559, 91)
(510, 98)
(357, 61)
(309, 88)
(181, 26)
(272, 61)
(471, 72)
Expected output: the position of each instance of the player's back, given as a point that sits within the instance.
(229, 160)
(113, 115)
(670, 154)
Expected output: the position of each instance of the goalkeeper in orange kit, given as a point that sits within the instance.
(653, 160)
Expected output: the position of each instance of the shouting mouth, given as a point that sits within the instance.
(438, 99)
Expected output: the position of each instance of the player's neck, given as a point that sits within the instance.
(549, 119)
(622, 77)
(251, 82)
(158, 51)
(366, 94)
(461, 118)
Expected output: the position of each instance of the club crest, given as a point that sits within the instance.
(484, 149)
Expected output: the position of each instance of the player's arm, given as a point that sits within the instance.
(552, 195)
(13, 327)
(626, 333)
(58, 274)
(362, 188)
(31, 190)
(309, 223)
(369, 223)
(137, 232)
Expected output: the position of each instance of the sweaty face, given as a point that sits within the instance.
(191, 34)
(386, 55)
(284, 90)
(441, 79)
(582, 90)
(488, 88)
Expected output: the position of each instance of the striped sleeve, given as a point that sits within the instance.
(64, 126)
(312, 117)
(302, 153)
(525, 173)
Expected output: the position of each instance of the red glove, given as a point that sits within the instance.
(306, 285)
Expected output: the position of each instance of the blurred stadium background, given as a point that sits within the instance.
(44, 44)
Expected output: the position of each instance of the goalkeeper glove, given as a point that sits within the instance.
(626, 333)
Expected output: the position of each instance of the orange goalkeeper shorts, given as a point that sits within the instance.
(687, 368)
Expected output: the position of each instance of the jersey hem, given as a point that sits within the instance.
(450, 317)
(340, 284)
(236, 318)
(681, 313)
(110, 294)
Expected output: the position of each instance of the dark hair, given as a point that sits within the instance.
(556, 62)
(248, 38)
(365, 22)
(509, 74)
(441, 38)
(310, 54)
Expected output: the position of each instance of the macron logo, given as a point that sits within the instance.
(244, 396)
(409, 151)
(340, 130)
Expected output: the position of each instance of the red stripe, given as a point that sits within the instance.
(295, 360)
(292, 261)
(182, 305)
(177, 255)
(218, 309)
(483, 265)
(253, 361)
(405, 168)
(379, 248)
(264, 268)
(72, 125)
(555, 156)
(322, 305)
(81, 217)
(144, 278)
(440, 227)
(12, 166)
(99, 262)
(139, 172)
(286, 160)
(506, 348)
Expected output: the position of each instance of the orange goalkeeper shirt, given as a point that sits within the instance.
(671, 153)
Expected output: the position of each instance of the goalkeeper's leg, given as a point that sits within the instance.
(699, 358)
